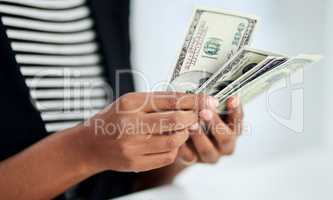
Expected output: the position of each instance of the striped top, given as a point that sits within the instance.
(55, 46)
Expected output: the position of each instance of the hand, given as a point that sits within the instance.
(141, 131)
(219, 139)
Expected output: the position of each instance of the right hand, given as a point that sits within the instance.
(141, 131)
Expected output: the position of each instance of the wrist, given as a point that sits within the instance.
(80, 143)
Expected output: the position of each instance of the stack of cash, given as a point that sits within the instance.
(216, 59)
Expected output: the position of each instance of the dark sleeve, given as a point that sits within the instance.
(20, 123)
(112, 24)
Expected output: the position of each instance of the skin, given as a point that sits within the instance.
(206, 147)
(115, 139)
(220, 140)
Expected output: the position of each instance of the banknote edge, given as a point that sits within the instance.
(242, 50)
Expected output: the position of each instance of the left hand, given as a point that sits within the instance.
(218, 140)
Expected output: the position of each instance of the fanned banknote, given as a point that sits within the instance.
(269, 63)
(243, 61)
(216, 59)
(263, 80)
(213, 38)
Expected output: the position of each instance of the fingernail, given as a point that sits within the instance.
(194, 127)
(207, 115)
(213, 103)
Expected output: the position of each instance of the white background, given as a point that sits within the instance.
(272, 160)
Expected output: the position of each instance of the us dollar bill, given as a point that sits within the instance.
(213, 38)
(267, 64)
(245, 60)
(261, 82)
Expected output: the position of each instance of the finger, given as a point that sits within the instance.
(228, 148)
(186, 155)
(221, 132)
(156, 161)
(177, 101)
(235, 114)
(167, 121)
(225, 138)
(164, 143)
(203, 146)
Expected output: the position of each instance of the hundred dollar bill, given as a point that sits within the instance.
(212, 39)
(262, 82)
(267, 64)
(242, 62)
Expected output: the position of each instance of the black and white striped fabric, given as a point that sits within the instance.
(54, 42)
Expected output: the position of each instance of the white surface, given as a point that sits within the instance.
(300, 178)
(272, 161)
(172, 192)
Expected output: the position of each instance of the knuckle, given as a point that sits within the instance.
(125, 100)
